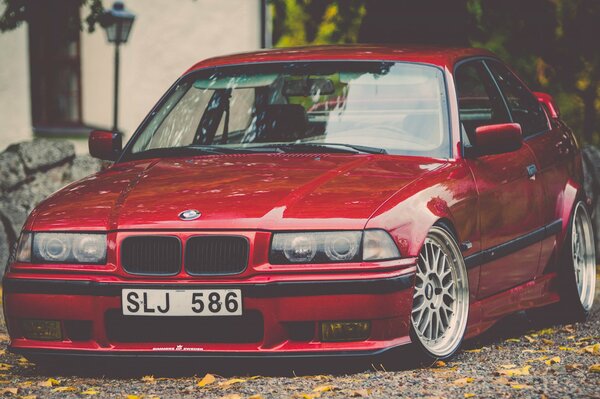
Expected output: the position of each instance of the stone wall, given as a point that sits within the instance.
(29, 172)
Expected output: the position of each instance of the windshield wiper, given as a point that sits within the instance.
(178, 151)
(357, 148)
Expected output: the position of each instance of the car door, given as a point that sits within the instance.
(552, 146)
(510, 196)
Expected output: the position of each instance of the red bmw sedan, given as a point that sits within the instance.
(313, 201)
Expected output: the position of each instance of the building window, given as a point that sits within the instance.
(55, 64)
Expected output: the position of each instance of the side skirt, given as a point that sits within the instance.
(484, 313)
(514, 245)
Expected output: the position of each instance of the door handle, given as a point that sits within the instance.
(531, 171)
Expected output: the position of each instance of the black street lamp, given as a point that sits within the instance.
(117, 22)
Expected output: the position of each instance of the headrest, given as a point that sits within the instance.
(280, 122)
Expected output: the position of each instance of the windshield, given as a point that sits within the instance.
(381, 107)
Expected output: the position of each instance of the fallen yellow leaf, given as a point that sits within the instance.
(133, 397)
(4, 366)
(306, 395)
(12, 391)
(515, 372)
(535, 351)
(90, 391)
(595, 368)
(207, 380)
(565, 348)
(568, 328)
(469, 395)
(591, 349)
(256, 396)
(537, 359)
(231, 396)
(28, 397)
(530, 339)
(439, 363)
(65, 389)
(573, 367)
(473, 350)
(552, 360)
(519, 386)
(149, 379)
(502, 381)
(513, 340)
(463, 381)
(360, 393)
(545, 331)
(324, 388)
(231, 382)
(50, 382)
(547, 341)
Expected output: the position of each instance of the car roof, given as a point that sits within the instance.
(444, 57)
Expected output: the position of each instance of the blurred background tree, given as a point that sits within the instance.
(553, 44)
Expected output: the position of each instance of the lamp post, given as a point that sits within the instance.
(117, 22)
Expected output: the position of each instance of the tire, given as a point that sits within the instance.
(577, 269)
(441, 297)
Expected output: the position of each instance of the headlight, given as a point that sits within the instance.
(62, 248)
(332, 246)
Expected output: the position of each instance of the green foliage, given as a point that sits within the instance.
(305, 22)
(552, 44)
(15, 12)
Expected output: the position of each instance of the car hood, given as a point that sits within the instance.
(245, 191)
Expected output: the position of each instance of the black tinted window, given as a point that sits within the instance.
(479, 101)
(524, 107)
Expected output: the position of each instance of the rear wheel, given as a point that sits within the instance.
(441, 296)
(578, 269)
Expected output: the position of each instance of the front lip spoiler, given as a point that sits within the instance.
(194, 355)
(259, 290)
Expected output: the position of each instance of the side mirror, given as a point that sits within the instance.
(105, 145)
(498, 139)
(549, 103)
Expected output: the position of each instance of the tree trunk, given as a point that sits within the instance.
(589, 111)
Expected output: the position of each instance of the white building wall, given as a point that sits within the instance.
(167, 38)
(15, 107)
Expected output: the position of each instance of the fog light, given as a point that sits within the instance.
(45, 330)
(345, 331)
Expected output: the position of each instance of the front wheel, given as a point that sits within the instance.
(441, 296)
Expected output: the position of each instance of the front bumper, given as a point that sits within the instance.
(283, 307)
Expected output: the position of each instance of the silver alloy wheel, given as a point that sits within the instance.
(584, 256)
(441, 296)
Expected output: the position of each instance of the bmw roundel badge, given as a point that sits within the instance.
(189, 214)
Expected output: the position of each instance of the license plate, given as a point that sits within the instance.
(155, 302)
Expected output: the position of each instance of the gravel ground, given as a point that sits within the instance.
(516, 358)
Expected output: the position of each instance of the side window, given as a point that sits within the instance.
(524, 107)
(479, 101)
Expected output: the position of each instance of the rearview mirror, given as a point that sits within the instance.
(549, 103)
(498, 139)
(105, 145)
(308, 87)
